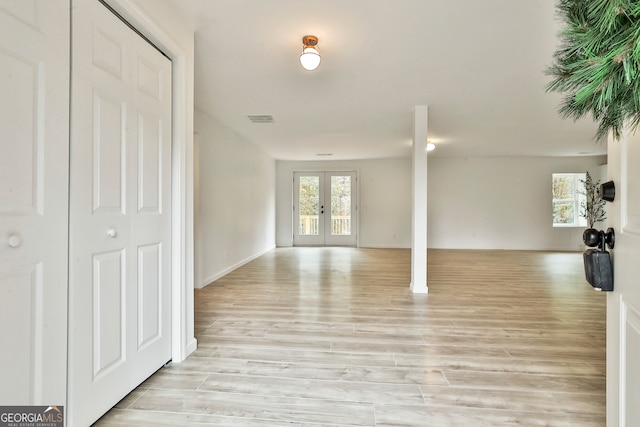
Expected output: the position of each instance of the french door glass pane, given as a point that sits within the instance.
(309, 205)
(340, 205)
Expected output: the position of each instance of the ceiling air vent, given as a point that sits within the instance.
(263, 118)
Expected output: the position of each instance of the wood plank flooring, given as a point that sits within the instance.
(319, 337)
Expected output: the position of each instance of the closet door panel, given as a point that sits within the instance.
(34, 173)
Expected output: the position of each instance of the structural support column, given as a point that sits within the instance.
(419, 210)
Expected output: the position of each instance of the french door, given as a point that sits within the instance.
(324, 209)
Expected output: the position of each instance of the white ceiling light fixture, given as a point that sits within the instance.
(310, 57)
(430, 146)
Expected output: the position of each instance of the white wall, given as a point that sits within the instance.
(500, 203)
(473, 203)
(384, 193)
(236, 204)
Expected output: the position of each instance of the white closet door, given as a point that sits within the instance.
(120, 258)
(34, 105)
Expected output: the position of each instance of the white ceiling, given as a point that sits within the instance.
(478, 65)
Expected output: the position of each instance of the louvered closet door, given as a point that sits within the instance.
(120, 259)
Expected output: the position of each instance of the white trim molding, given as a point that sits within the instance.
(235, 266)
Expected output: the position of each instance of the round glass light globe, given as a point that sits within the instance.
(310, 59)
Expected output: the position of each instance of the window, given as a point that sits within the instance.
(568, 194)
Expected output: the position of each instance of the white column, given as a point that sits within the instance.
(419, 210)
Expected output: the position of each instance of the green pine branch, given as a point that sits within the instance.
(597, 65)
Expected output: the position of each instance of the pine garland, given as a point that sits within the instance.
(598, 63)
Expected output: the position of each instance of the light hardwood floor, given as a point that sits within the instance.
(333, 337)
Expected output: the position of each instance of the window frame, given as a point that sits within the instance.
(577, 199)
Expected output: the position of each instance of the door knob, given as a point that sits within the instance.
(112, 232)
(14, 241)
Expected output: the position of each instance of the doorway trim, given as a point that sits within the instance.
(181, 52)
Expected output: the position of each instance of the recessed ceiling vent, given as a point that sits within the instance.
(262, 118)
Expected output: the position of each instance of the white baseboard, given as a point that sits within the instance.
(192, 346)
(384, 246)
(229, 269)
